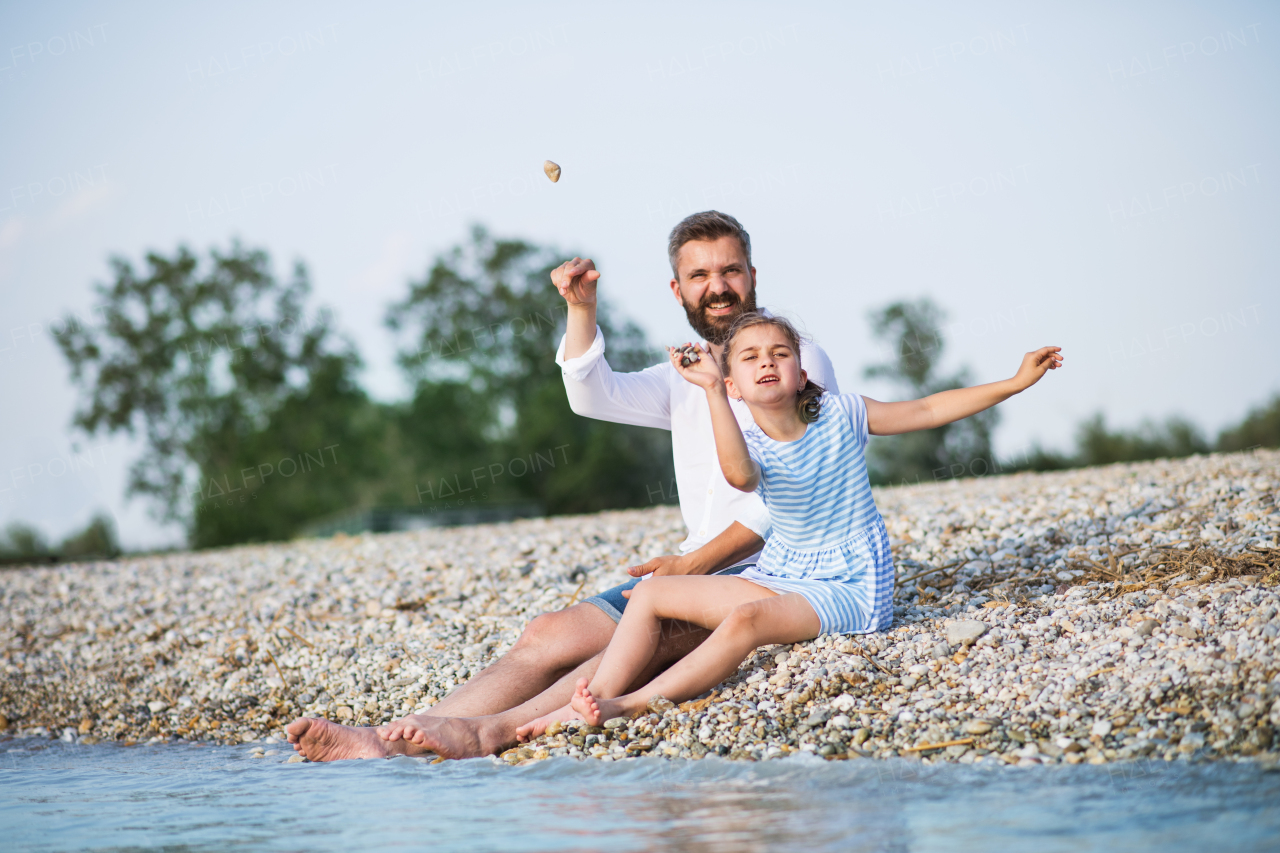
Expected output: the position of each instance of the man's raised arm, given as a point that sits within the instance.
(576, 281)
(594, 390)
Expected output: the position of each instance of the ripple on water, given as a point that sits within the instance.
(67, 797)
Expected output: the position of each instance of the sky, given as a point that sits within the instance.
(1096, 177)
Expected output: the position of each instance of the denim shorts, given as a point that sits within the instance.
(612, 602)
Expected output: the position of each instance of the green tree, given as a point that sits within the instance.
(1260, 428)
(489, 409)
(224, 373)
(1096, 445)
(22, 543)
(98, 539)
(963, 448)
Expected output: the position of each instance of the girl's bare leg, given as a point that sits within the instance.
(704, 600)
(679, 638)
(636, 637)
(743, 615)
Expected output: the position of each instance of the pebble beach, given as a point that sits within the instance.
(1095, 615)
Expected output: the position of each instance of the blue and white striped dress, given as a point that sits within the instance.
(828, 542)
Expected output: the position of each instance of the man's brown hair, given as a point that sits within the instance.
(707, 225)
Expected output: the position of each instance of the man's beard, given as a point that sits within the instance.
(714, 330)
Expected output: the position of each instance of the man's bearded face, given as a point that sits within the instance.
(715, 285)
(708, 316)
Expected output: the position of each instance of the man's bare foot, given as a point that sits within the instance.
(537, 728)
(322, 740)
(407, 727)
(447, 737)
(595, 711)
(391, 731)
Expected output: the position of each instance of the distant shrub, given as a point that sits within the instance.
(1260, 428)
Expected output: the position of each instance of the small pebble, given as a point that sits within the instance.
(965, 631)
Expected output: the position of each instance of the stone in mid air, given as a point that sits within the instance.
(552, 170)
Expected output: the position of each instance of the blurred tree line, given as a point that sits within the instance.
(254, 422)
(22, 543)
(963, 449)
(1172, 438)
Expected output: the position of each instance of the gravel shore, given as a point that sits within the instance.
(1095, 615)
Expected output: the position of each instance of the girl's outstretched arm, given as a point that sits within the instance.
(948, 406)
(731, 448)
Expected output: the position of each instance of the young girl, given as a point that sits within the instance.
(826, 568)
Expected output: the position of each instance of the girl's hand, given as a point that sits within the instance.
(704, 372)
(1035, 365)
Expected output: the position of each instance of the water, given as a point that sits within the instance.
(56, 796)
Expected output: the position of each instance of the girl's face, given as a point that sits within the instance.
(764, 368)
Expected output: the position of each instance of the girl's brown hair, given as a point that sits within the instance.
(809, 398)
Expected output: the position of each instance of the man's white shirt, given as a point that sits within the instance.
(660, 397)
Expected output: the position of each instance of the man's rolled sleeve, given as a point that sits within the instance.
(751, 514)
(642, 398)
(580, 367)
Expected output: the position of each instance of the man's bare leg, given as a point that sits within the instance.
(468, 738)
(550, 646)
(488, 733)
(555, 643)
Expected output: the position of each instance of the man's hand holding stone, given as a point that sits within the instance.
(576, 281)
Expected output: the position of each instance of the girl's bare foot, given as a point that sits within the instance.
(538, 727)
(594, 711)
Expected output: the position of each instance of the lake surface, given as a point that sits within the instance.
(58, 796)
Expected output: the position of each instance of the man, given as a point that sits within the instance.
(714, 281)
